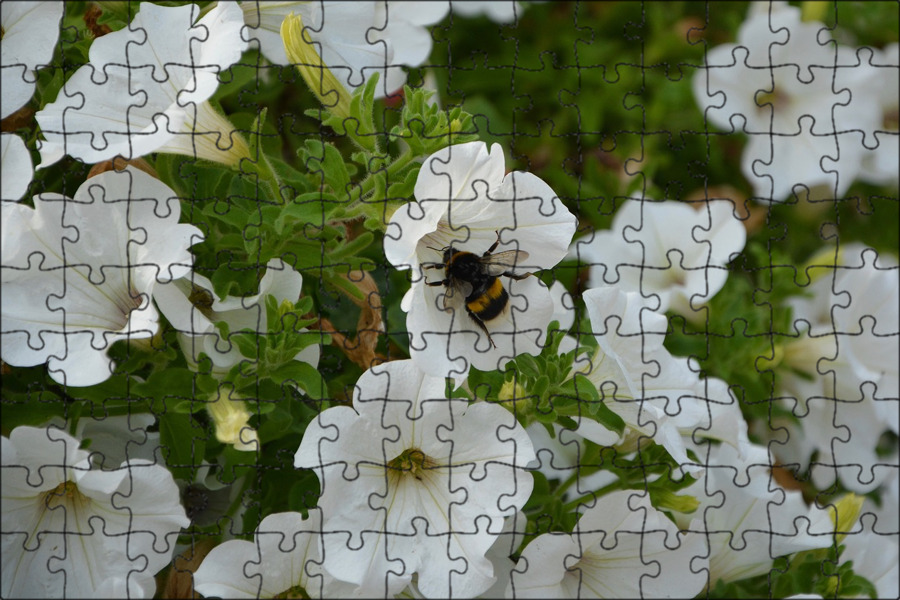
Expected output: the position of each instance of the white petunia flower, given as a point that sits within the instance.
(354, 39)
(78, 274)
(621, 547)
(465, 200)
(668, 249)
(746, 520)
(30, 32)
(563, 306)
(879, 165)
(777, 83)
(17, 169)
(70, 529)
(841, 371)
(116, 439)
(283, 557)
(420, 481)
(875, 557)
(146, 89)
(193, 310)
(657, 395)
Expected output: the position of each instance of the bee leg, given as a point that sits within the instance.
(437, 283)
(494, 246)
(512, 275)
(481, 324)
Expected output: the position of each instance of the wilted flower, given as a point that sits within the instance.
(464, 200)
(30, 32)
(146, 90)
(422, 482)
(668, 249)
(621, 547)
(79, 274)
(779, 83)
(114, 529)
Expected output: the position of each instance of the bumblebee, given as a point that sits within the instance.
(478, 279)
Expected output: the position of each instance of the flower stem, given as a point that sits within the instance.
(368, 202)
(590, 496)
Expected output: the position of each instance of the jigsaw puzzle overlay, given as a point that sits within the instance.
(450, 299)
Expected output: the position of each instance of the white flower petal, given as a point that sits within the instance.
(115, 528)
(30, 32)
(17, 167)
(460, 472)
(464, 202)
(284, 547)
(667, 249)
(757, 521)
(607, 556)
(78, 274)
(795, 112)
(138, 93)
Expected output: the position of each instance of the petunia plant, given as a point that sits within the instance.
(382, 299)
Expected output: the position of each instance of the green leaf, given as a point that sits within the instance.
(302, 374)
(183, 444)
(305, 213)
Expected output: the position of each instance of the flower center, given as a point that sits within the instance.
(65, 494)
(778, 100)
(296, 591)
(892, 120)
(804, 354)
(412, 462)
(202, 300)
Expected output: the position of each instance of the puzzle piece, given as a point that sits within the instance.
(279, 299)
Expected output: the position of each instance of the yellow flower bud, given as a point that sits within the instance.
(814, 10)
(302, 53)
(844, 514)
(231, 417)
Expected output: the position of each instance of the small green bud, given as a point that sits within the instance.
(666, 500)
(511, 390)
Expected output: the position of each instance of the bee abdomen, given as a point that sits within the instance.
(490, 303)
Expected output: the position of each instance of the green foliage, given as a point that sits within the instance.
(806, 572)
(318, 191)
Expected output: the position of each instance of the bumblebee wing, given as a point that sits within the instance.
(456, 292)
(500, 263)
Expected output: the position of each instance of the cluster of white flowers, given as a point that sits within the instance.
(422, 489)
(840, 371)
(819, 115)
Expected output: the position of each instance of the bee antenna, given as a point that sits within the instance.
(433, 248)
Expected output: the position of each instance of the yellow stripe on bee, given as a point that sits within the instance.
(483, 301)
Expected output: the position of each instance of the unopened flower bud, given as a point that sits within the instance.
(302, 53)
(844, 514)
(231, 418)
